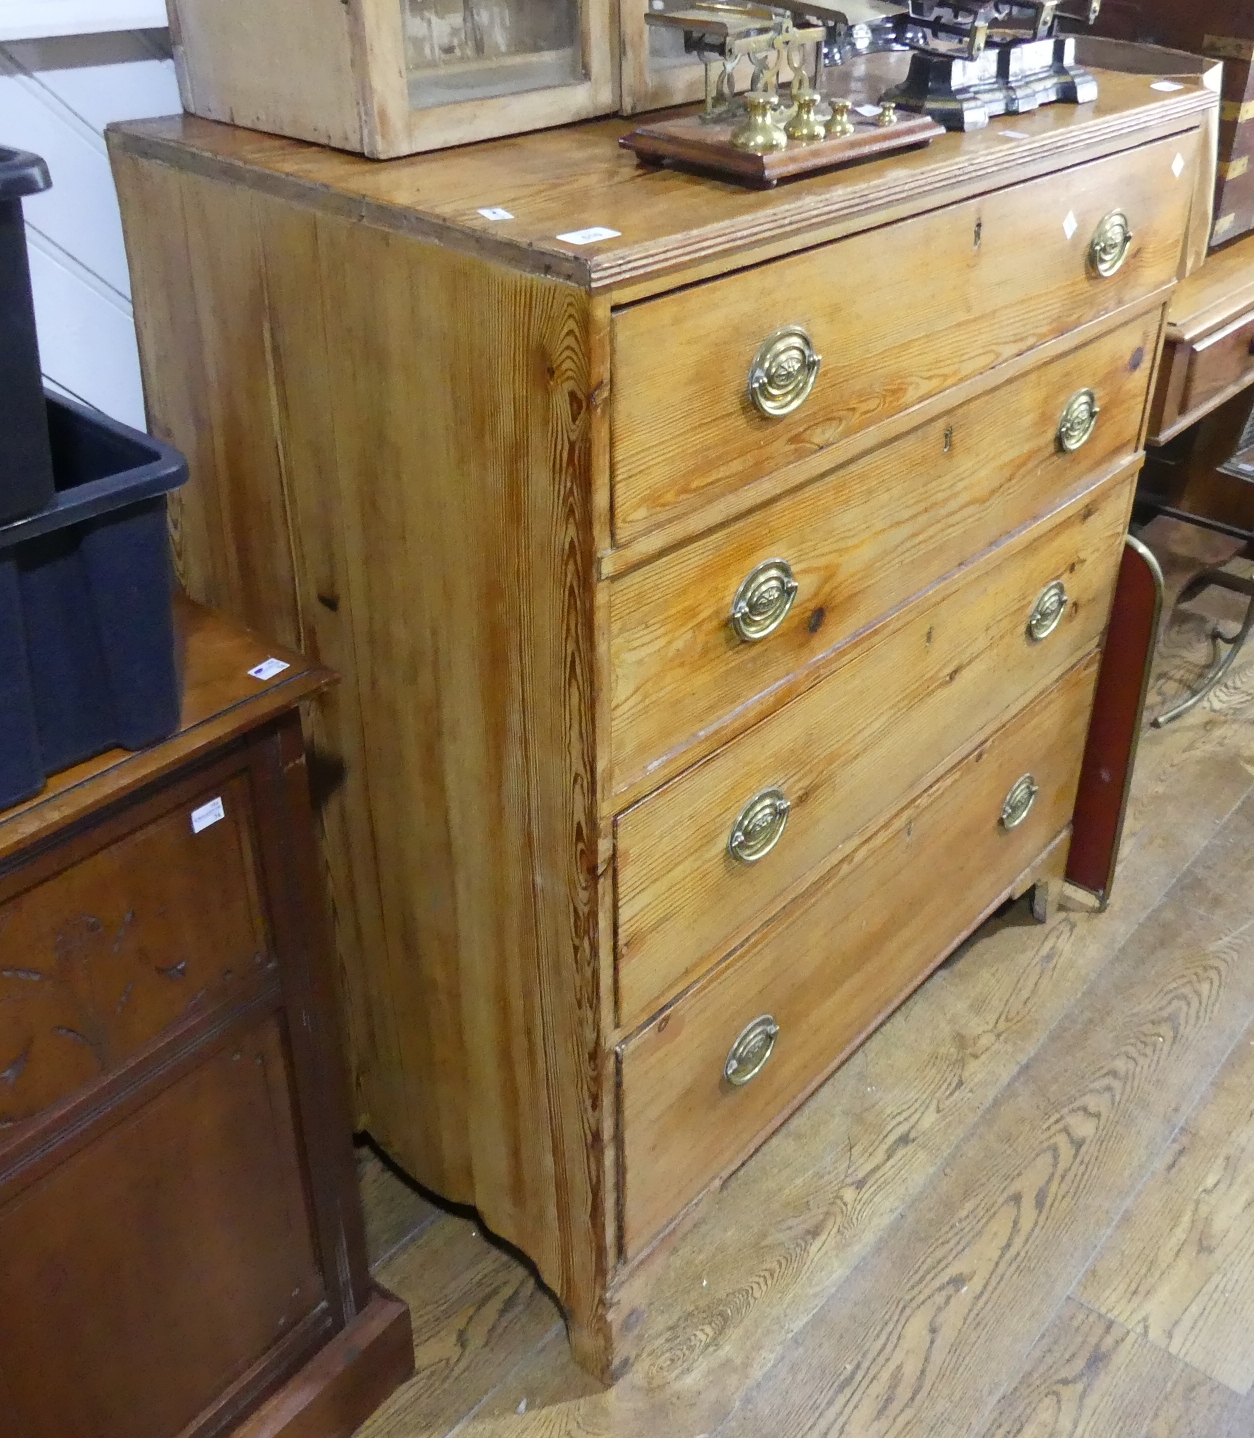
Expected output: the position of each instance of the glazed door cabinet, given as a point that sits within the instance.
(394, 77)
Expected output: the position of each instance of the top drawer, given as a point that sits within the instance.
(939, 299)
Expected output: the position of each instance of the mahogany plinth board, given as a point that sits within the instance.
(396, 413)
(339, 1388)
(691, 142)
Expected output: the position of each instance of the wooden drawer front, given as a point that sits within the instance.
(166, 1258)
(839, 959)
(940, 298)
(103, 956)
(1209, 366)
(858, 543)
(854, 747)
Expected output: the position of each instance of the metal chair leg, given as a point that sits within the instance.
(1225, 648)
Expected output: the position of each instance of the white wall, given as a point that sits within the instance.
(56, 96)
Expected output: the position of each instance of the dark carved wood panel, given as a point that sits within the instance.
(168, 1257)
(100, 958)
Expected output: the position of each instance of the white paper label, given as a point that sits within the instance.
(207, 814)
(494, 212)
(1014, 134)
(1177, 166)
(1166, 86)
(1070, 225)
(268, 668)
(590, 237)
(867, 110)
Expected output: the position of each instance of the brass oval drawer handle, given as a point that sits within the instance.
(783, 372)
(760, 827)
(1079, 420)
(1019, 802)
(1047, 612)
(748, 1055)
(763, 600)
(1112, 240)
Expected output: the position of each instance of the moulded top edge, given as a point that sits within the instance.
(571, 203)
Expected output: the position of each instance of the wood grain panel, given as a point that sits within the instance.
(1179, 1267)
(860, 542)
(429, 485)
(684, 427)
(476, 1314)
(229, 68)
(839, 960)
(215, 1155)
(1088, 1377)
(84, 984)
(978, 1263)
(855, 746)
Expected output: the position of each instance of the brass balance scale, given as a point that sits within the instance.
(970, 60)
(974, 59)
(765, 134)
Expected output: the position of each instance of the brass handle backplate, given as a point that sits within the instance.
(1112, 240)
(1079, 420)
(783, 372)
(1019, 802)
(760, 827)
(1048, 610)
(762, 602)
(748, 1055)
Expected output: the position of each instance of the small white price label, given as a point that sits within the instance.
(495, 212)
(207, 814)
(867, 110)
(268, 668)
(1014, 134)
(589, 237)
(1166, 86)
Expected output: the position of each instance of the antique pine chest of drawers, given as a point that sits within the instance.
(720, 580)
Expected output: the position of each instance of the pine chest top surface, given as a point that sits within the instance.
(557, 182)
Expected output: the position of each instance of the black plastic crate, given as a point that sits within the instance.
(87, 644)
(26, 479)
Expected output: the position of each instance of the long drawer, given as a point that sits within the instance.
(697, 634)
(708, 857)
(939, 299)
(807, 989)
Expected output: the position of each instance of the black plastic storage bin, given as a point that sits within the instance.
(87, 644)
(26, 479)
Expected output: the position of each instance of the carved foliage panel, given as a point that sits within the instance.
(100, 958)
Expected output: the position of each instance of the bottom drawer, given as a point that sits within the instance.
(838, 960)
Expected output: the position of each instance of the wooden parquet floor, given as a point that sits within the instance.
(1024, 1208)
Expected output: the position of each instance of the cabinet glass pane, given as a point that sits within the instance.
(478, 49)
